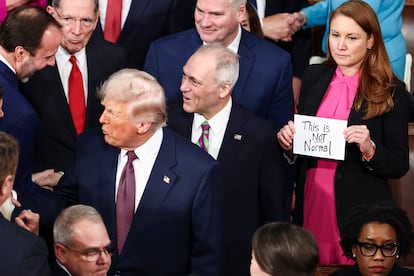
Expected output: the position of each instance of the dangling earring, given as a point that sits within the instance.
(353, 256)
(397, 256)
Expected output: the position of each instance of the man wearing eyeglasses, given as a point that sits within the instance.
(67, 102)
(82, 245)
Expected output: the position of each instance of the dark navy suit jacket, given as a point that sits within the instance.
(264, 86)
(21, 121)
(176, 229)
(55, 142)
(22, 253)
(148, 20)
(254, 180)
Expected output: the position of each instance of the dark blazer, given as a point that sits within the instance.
(148, 20)
(354, 271)
(56, 270)
(55, 142)
(301, 45)
(176, 229)
(21, 121)
(264, 86)
(254, 180)
(22, 252)
(356, 181)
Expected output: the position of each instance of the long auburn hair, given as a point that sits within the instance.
(377, 81)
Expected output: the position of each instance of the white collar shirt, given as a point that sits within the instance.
(234, 45)
(147, 154)
(218, 125)
(65, 67)
(126, 5)
(4, 60)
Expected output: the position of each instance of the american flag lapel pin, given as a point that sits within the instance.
(237, 137)
(166, 179)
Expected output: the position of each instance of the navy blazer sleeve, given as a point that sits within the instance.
(22, 252)
(35, 260)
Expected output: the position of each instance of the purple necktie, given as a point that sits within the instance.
(125, 201)
(203, 140)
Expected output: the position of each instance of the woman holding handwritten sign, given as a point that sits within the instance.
(355, 84)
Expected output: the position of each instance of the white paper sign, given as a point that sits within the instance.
(319, 137)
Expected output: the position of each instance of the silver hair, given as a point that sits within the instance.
(56, 4)
(227, 62)
(63, 227)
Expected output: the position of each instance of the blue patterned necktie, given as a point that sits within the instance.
(203, 140)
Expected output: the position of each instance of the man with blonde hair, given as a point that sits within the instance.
(158, 193)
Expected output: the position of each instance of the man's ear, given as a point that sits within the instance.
(225, 90)
(143, 127)
(19, 53)
(50, 10)
(7, 186)
(241, 12)
(60, 253)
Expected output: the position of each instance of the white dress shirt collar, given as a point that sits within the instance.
(234, 45)
(64, 67)
(218, 125)
(4, 60)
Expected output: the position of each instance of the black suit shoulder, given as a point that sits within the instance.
(56, 270)
(22, 252)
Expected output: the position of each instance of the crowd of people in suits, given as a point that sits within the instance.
(156, 141)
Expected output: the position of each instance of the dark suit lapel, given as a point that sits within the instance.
(161, 180)
(315, 93)
(108, 163)
(94, 77)
(136, 11)
(247, 59)
(182, 122)
(51, 77)
(233, 138)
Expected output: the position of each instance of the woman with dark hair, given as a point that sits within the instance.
(281, 248)
(375, 236)
(356, 84)
(251, 21)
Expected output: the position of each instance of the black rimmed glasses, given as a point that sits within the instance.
(68, 20)
(370, 249)
(93, 254)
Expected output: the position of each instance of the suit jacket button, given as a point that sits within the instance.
(338, 176)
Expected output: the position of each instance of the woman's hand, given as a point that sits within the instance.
(285, 136)
(359, 134)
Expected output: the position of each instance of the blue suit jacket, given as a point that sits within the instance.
(55, 141)
(148, 20)
(22, 252)
(21, 121)
(265, 79)
(254, 180)
(176, 229)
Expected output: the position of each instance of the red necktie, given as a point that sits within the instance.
(113, 20)
(76, 96)
(125, 201)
